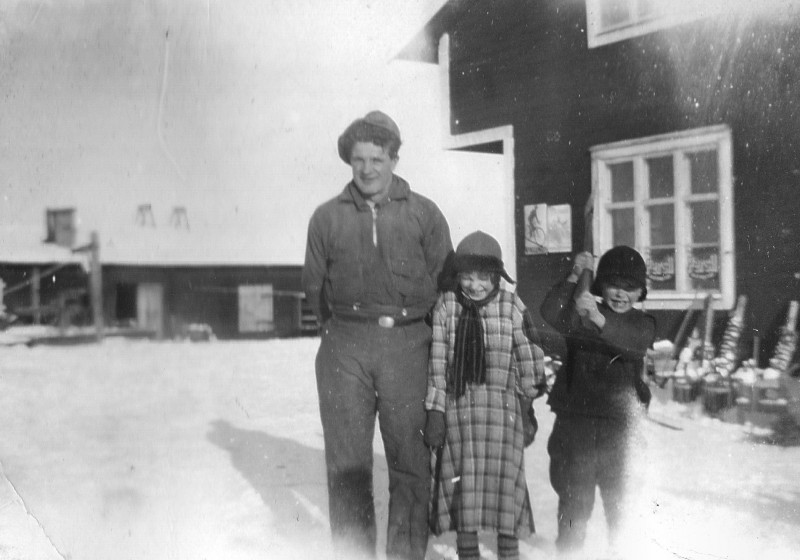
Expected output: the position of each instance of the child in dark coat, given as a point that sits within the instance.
(484, 372)
(598, 396)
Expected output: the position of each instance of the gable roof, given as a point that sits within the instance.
(175, 247)
(146, 246)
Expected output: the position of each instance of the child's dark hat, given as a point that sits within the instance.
(621, 265)
(480, 251)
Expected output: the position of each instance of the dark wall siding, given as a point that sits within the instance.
(191, 294)
(209, 295)
(69, 278)
(528, 64)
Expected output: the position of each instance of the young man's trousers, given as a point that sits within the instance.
(363, 369)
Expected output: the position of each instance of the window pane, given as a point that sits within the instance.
(621, 181)
(662, 225)
(705, 221)
(661, 269)
(661, 177)
(703, 166)
(622, 227)
(704, 268)
(614, 12)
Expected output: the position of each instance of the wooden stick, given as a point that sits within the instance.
(708, 347)
(678, 341)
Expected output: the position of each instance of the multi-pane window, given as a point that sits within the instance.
(614, 20)
(670, 197)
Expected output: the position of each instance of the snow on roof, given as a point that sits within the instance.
(147, 246)
(166, 246)
(25, 245)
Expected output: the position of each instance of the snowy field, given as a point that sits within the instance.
(148, 450)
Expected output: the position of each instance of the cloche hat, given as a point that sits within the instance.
(621, 263)
(480, 251)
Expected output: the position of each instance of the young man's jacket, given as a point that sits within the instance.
(602, 372)
(364, 262)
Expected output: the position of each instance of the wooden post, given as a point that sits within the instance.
(96, 286)
(36, 300)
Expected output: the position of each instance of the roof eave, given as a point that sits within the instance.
(424, 45)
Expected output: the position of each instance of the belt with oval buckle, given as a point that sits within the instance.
(385, 321)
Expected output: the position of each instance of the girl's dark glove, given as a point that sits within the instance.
(529, 423)
(642, 391)
(434, 429)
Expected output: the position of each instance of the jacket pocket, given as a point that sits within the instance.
(346, 281)
(412, 280)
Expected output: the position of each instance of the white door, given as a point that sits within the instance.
(256, 309)
(150, 307)
(481, 199)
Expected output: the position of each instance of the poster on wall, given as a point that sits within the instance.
(548, 229)
(535, 232)
(559, 229)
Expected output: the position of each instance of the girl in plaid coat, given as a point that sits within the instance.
(484, 372)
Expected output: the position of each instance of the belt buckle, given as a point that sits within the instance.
(386, 321)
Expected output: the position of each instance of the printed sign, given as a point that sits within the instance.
(548, 229)
(559, 229)
(704, 268)
(703, 264)
(661, 269)
(535, 232)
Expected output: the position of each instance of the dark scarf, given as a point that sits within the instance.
(469, 354)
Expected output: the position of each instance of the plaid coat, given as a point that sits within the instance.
(481, 485)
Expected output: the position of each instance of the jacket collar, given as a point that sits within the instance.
(397, 190)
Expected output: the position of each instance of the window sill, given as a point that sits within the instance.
(670, 302)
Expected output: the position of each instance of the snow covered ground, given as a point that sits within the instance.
(165, 450)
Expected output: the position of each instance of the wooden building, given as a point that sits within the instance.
(167, 282)
(233, 301)
(44, 280)
(678, 123)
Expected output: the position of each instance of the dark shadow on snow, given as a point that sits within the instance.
(291, 480)
(289, 477)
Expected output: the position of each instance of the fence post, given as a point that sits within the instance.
(96, 286)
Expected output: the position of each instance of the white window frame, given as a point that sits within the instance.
(678, 144)
(667, 13)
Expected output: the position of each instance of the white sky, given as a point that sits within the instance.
(241, 128)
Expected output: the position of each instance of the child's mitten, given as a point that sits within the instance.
(434, 429)
(529, 423)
